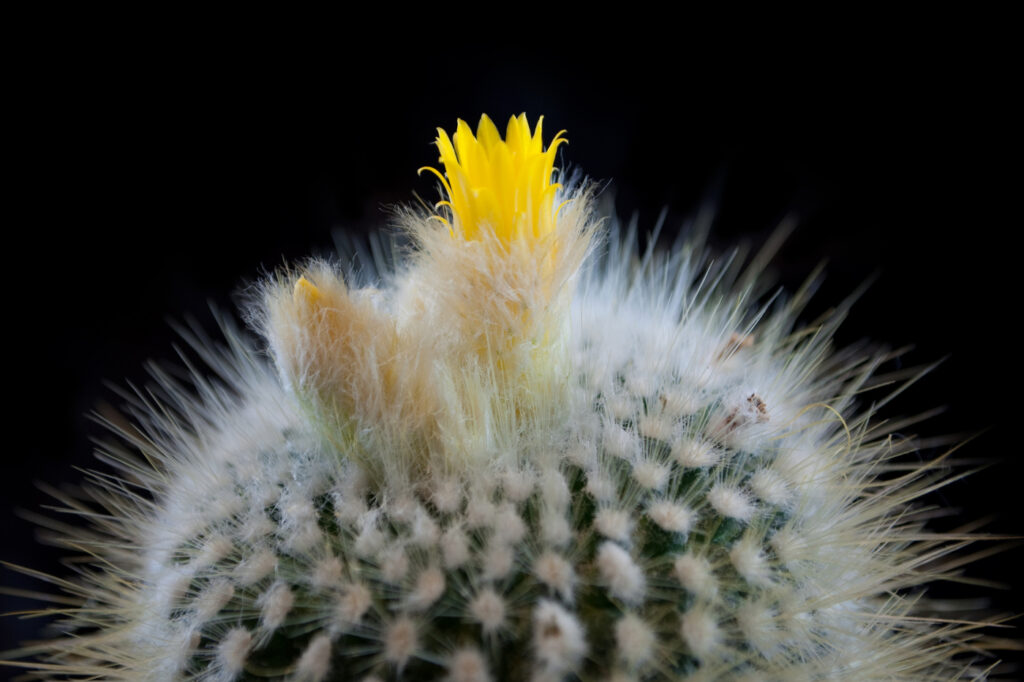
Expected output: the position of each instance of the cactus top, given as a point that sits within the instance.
(501, 185)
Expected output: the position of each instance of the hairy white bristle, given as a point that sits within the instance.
(559, 641)
(488, 608)
(557, 573)
(620, 573)
(634, 640)
(315, 661)
(730, 502)
(615, 524)
(400, 641)
(672, 517)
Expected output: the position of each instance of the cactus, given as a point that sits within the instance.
(521, 454)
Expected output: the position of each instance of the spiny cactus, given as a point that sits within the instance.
(522, 454)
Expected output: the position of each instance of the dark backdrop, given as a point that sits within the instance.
(150, 181)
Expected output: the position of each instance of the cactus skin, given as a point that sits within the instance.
(698, 498)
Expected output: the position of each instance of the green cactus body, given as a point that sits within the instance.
(660, 481)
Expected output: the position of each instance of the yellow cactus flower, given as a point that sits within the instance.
(499, 185)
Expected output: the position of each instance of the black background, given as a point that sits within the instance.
(148, 177)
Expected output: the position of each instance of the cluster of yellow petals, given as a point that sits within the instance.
(501, 186)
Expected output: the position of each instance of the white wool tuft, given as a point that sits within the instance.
(497, 561)
(559, 642)
(315, 661)
(214, 549)
(394, 564)
(731, 502)
(554, 489)
(557, 573)
(694, 454)
(233, 651)
(256, 567)
(350, 606)
(446, 495)
(615, 524)
(488, 608)
(401, 641)
(651, 475)
(479, 511)
(508, 527)
(620, 443)
(746, 556)
(517, 484)
(424, 529)
(672, 517)
(428, 589)
(454, 547)
(327, 573)
(275, 605)
(635, 640)
(759, 624)
(213, 598)
(695, 574)
(700, 632)
(620, 573)
(656, 427)
(555, 529)
(601, 487)
(467, 664)
(771, 487)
